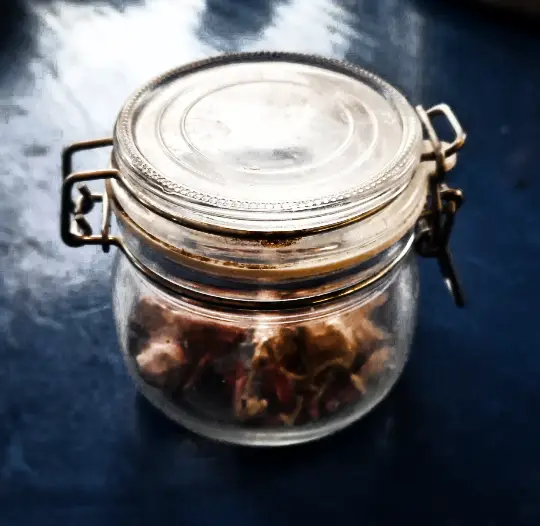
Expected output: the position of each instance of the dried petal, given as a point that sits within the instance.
(313, 410)
(137, 338)
(375, 364)
(203, 362)
(284, 388)
(238, 372)
(239, 388)
(261, 356)
(231, 334)
(330, 337)
(313, 403)
(290, 419)
(253, 407)
(276, 342)
(358, 383)
(332, 405)
(202, 335)
(367, 331)
(340, 394)
(338, 362)
(348, 395)
(295, 368)
(247, 406)
(161, 356)
(328, 344)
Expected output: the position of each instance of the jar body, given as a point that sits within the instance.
(266, 378)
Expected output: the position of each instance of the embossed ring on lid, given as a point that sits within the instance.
(267, 142)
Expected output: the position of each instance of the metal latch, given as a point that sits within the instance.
(437, 220)
(75, 229)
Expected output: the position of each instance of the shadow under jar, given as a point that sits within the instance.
(268, 206)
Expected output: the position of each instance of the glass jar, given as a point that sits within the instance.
(269, 209)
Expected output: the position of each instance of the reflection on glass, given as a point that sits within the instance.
(386, 37)
(231, 25)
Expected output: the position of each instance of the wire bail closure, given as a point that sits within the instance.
(435, 225)
(75, 229)
(433, 229)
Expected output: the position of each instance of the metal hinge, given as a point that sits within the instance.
(437, 220)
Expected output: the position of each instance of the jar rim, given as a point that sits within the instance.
(254, 258)
(270, 301)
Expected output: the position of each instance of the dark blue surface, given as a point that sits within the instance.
(458, 442)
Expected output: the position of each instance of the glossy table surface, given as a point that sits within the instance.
(458, 441)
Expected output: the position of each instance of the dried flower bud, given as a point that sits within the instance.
(159, 358)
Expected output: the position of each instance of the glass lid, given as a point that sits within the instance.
(267, 142)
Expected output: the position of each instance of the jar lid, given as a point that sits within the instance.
(267, 142)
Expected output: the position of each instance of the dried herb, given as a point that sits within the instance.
(272, 375)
